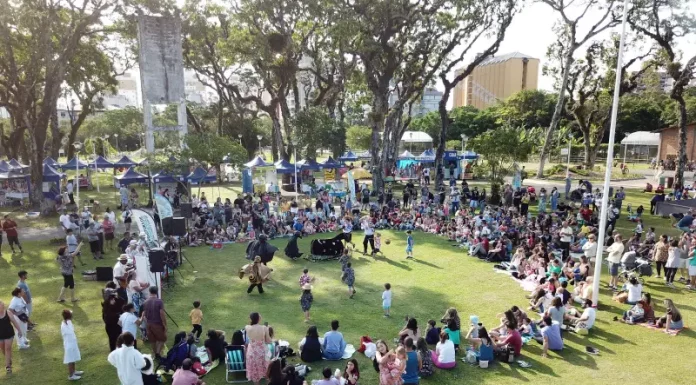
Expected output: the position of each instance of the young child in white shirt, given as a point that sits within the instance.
(387, 299)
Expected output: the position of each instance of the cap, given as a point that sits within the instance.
(123, 257)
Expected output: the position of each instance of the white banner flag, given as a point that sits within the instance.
(351, 186)
(164, 208)
(146, 226)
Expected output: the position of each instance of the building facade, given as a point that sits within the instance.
(669, 143)
(496, 79)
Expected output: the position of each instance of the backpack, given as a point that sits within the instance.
(363, 341)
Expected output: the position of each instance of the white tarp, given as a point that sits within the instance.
(416, 137)
(641, 138)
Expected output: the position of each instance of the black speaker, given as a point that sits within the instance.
(187, 210)
(167, 226)
(179, 226)
(105, 274)
(156, 257)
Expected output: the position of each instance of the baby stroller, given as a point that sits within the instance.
(633, 264)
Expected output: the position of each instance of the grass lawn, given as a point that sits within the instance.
(440, 277)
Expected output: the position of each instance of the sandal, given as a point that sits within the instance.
(8, 369)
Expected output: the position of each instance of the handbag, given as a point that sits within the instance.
(23, 317)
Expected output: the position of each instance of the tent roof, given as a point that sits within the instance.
(73, 164)
(416, 137)
(200, 175)
(51, 162)
(166, 177)
(642, 138)
(284, 167)
(132, 175)
(364, 155)
(4, 166)
(50, 173)
(406, 155)
(15, 163)
(256, 162)
(125, 162)
(331, 163)
(470, 155)
(348, 156)
(101, 163)
(309, 164)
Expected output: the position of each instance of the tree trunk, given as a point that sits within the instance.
(444, 126)
(588, 148)
(681, 161)
(276, 137)
(56, 135)
(555, 120)
(381, 107)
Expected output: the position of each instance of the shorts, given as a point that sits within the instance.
(614, 269)
(109, 236)
(409, 249)
(692, 271)
(386, 307)
(68, 281)
(156, 333)
(13, 240)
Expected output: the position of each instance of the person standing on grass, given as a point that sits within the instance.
(566, 235)
(130, 322)
(369, 236)
(306, 300)
(614, 260)
(69, 188)
(349, 279)
(109, 228)
(156, 321)
(409, 245)
(67, 265)
(196, 315)
(71, 241)
(71, 352)
(10, 228)
(128, 361)
(672, 264)
(22, 284)
(387, 299)
(7, 334)
(18, 310)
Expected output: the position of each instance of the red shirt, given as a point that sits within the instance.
(514, 339)
(10, 228)
(586, 214)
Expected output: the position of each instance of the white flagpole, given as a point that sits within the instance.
(610, 159)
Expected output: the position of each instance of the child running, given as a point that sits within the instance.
(387, 299)
(378, 244)
(349, 279)
(409, 245)
(196, 319)
(306, 300)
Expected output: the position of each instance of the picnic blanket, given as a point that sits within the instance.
(671, 332)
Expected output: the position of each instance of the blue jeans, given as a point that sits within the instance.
(332, 356)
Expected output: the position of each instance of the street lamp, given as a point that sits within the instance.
(78, 147)
(240, 139)
(410, 135)
(117, 150)
(464, 139)
(259, 137)
(293, 141)
(570, 142)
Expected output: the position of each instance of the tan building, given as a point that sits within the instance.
(669, 142)
(496, 79)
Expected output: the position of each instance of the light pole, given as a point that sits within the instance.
(294, 149)
(570, 142)
(240, 139)
(94, 150)
(259, 137)
(117, 150)
(464, 139)
(142, 139)
(78, 147)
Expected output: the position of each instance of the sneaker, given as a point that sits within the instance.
(74, 377)
(681, 279)
(79, 373)
(23, 347)
(60, 301)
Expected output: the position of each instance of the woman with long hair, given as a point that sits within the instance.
(352, 372)
(274, 374)
(426, 358)
(672, 320)
(451, 313)
(310, 346)
(7, 334)
(258, 339)
(410, 330)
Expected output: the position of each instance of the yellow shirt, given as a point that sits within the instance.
(196, 316)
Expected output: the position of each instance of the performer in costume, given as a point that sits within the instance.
(258, 274)
(369, 229)
(291, 250)
(262, 249)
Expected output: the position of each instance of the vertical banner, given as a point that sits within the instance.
(351, 185)
(146, 226)
(329, 174)
(164, 208)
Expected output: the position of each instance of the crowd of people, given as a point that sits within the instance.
(551, 255)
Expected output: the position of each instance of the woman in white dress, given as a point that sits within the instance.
(72, 351)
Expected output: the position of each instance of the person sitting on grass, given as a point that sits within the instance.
(584, 322)
(310, 346)
(551, 333)
(432, 335)
(334, 345)
(444, 356)
(672, 320)
(425, 357)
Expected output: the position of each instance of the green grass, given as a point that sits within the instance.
(440, 277)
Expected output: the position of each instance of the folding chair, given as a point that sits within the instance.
(235, 362)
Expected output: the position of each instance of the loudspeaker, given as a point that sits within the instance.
(179, 226)
(156, 257)
(167, 226)
(187, 210)
(105, 274)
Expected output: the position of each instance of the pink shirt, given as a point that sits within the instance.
(184, 377)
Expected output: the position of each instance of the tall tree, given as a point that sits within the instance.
(473, 20)
(39, 40)
(664, 21)
(570, 39)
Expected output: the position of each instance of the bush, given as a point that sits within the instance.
(561, 169)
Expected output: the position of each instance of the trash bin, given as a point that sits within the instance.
(662, 181)
(670, 181)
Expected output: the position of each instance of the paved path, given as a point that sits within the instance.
(29, 234)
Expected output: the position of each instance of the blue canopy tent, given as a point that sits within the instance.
(200, 175)
(164, 177)
(124, 163)
(4, 166)
(348, 157)
(73, 164)
(284, 167)
(309, 164)
(14, 185)
(406, 155)
(51, 181)
(16, 166)
(256, 162)
(51, 162)
(131, 176)
(100, 162)
(428, 156)
(331, 163)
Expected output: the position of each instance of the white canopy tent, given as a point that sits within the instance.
(645, 144)
(416, 137)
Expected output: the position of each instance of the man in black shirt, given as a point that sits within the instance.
(123, 243)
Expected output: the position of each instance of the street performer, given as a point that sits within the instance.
(258, 274)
